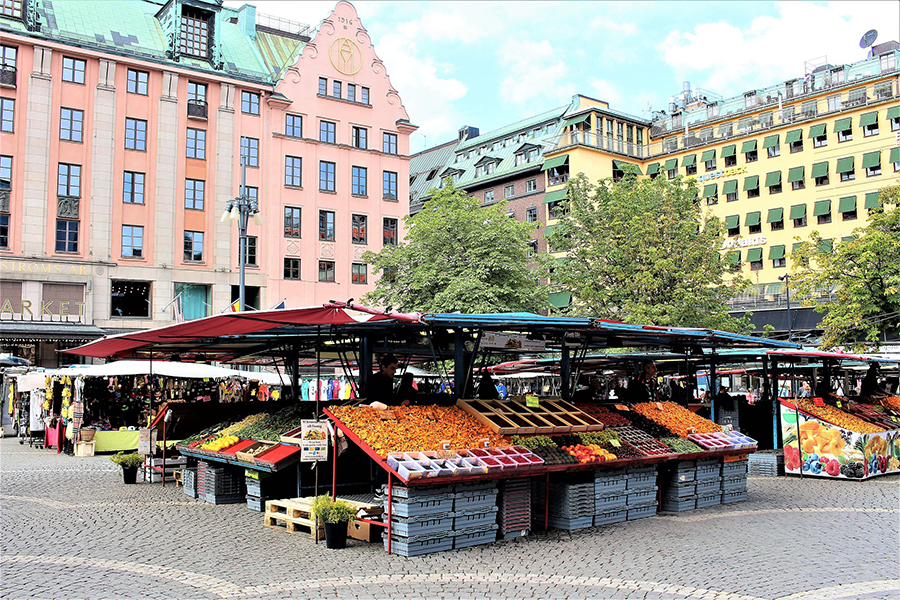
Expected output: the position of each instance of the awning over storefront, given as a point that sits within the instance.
(48, 331)
(555, 162)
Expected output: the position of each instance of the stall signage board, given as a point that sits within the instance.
(147, 441)
(532, 401)
(313, 441)
(510, 342)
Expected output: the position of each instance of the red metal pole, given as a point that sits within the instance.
(164, 455)
(334, 464)
(390, 511)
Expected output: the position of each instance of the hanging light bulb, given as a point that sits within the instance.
(235, 213)
(226, 213)
(257, 219)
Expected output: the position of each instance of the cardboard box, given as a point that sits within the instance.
(365, 532)
(84, 449)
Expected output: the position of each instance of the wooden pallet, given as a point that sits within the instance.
(292, 516)
(514, 417)
(179, 478)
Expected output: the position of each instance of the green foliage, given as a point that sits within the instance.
(644, 252)
(863, 274)
(458, 256)
(332, 511)
(131, 460)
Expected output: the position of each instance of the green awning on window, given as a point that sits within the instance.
(893, 112)
(730, 186)
(826, 245)
(793, 136)
(845, 165)
(776, 215)
(710, 190)
(734, 257)
(820, 169)
(577, 120)
(773, 178)
(729, 150)
(796, 246)
(848, 238)
(795, 174)
(708, 155)
(560, 299)
(672, 163)
(748, 146)
(798, 211)
(869, 118)
(776, 252)
(822, 207)
(754, 254)
(549, 229)
(732, 221)
(847, 204)
(895, 154)
(751, 183)
(771, 141)
(689, 160)
(873, 200)
(752, 218)
(817, 130)
(844, 124)
(871, 159)
(555, 196)
(653, 168)
(555, 162)
(627, 167)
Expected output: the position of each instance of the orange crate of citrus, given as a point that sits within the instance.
(413, 428)
(891, 402)
(677, 418)
(838, 417)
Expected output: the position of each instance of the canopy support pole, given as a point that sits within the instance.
(564, 372)
(459, 367)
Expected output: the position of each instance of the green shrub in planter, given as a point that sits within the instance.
(332, 511)
(127, 461)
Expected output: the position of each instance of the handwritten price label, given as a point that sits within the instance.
(621, 407)
(532, 401)
(839, 404)
(615, 443)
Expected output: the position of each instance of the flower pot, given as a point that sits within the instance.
(335, 535)
(129, 474)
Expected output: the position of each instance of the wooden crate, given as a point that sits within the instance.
(292, 516)
(514, 417)
(250, 453)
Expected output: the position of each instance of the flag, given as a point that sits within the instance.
(235, 306)
(280, 305)
(178, 305)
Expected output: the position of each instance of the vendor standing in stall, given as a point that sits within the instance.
(870, 385)
(380, 386)
(643, 387)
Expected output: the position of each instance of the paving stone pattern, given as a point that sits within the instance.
(71, 529)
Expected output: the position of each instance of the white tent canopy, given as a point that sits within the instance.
(141, 367)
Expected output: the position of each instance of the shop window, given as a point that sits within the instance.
(358, 273)
(71, 124)
(390, 232)
(194, 194)
(326, 225)
(137, 82)
(359, 229)
(193, 246)
(293, 125)
(133, 188)
(249, 103)
(359, 181)
(389, 185)
(130, 299)
(195, 300)
(326, 270)
(132, 241)
(326, 176)
(73, 69)
(291, 222)
(327, 131)
(292, 268)
(196, 143)
(389, 143)
(250, 151)
(360, 137)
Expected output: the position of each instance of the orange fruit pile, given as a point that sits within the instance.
(891, 402)
(415, 428)
(837, 417)
(676, 418)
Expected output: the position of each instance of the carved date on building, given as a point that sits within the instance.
(67, 207)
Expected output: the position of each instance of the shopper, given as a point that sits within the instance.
(486, 389)
(870, 385)
(643, 387)
(380, 386)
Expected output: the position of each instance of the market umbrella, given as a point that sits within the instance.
(8, 360)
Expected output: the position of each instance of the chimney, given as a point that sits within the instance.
(247, 20)
(467, 133)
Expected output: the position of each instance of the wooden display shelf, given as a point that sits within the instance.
(514, 417)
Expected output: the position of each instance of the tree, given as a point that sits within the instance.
(458, 256)
(644, 252)
(862, 276)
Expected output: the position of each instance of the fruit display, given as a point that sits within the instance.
(598, 437)
(606, 416)
(837, 417)
(411, 428)
(681, 445)
(220, 443)
(651, 427)
(535, 441)
(590, 453)
(642, 441)
(891, 402)
(680, 420)
(554, 455)
(874, 414)
(625, 451)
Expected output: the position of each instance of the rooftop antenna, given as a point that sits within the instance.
(868, 38)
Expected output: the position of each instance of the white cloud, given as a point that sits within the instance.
(609, 26)
(533, 71)
(729, 59)
(602, 89)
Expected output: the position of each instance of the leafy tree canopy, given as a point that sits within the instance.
(644, 252)
(861, 276)
(458, 256)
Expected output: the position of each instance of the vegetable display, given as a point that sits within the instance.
(681, 445)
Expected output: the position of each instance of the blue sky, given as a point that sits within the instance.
(487, 64)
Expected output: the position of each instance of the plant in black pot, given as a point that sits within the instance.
(129, 463)
(336, 514)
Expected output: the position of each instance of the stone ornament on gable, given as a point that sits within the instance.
(345, 56)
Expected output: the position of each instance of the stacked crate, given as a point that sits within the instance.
(421, 519)
(709, 482)
(223, 485)
(571, 503)
(734, 481)
(474, 514)
(514, 506)
(767, 463)
(640, 488)
(680, 487)
(610, 496)
(189, 482)
(262, 486)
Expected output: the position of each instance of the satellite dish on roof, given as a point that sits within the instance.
(868, 38)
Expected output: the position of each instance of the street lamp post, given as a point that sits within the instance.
(786, 278)
(240, 209)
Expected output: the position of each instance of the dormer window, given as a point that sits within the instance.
(11, 8)
(194, 33)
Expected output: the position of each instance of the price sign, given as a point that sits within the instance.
(147, 441)
(615, 443)
(313, 441)
(658, 405)
(820, 402)
(532, 401)
(839, 404)
(621, 407)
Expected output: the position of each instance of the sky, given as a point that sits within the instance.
(487, 64)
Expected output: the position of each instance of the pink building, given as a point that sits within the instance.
(123, 127)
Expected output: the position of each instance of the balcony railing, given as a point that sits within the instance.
(7, 76)
(196, 109)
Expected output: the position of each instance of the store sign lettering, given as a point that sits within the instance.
(758, 240)
(48, 268)
(721, 173)
(48, 307)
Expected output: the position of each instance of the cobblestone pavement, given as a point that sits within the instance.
(71, 529)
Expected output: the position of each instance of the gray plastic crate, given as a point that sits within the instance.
(611, 516)
(709, 500)
(680, 490)
(609, 502)
(467, 538)
(475, 486)
(641, 469)
(469, 520)
(440, 506)
(734, 496)
(478, 500)
(641, 481)
(610, 474)
(640, 497)
(406, 547)
(679, 504)
(570, 524)
(707, 472)
(708, 486)
(419, 526)
(639, 512)
(705, 462)
(256, 503)
(610, 484)
(189, 482)
(225, 498)
(731, 469)
(734, 484)
(425, 492)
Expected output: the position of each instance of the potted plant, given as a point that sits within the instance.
(129, 463)
(336, 514)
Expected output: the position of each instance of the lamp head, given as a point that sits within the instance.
(784, 277)
(227, 211)
(235, 213)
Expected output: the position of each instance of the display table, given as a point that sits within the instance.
(115, 441)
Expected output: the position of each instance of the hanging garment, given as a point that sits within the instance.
(304, 390)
